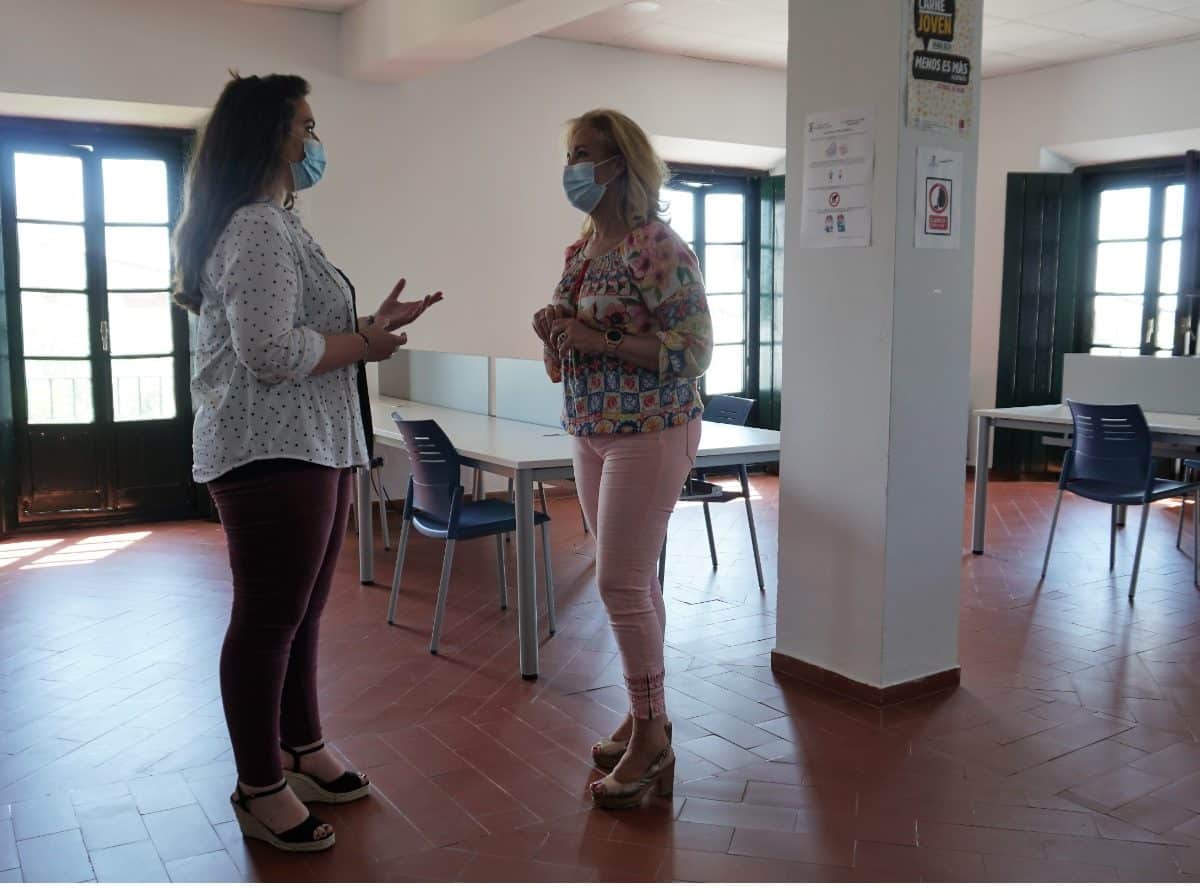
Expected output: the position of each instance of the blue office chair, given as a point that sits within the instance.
(1109, 461)
(436, 509)
(735, 412)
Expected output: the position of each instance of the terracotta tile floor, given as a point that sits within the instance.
(1069, 753)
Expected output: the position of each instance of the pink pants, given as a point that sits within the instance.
(628, 485)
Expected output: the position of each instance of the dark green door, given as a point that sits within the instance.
(98, 353)
(1038, 305)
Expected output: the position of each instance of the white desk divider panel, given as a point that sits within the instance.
(524, 392)
(1159, 384)
(458, 381)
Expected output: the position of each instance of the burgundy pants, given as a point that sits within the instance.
(284, 521)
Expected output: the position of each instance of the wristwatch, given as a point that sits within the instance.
(613, 339)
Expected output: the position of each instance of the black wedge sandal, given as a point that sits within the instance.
(349, 787)
(300, 838)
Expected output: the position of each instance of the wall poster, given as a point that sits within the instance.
(941, 67)
(939, 178)
(839, 164)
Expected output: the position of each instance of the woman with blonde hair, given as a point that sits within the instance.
(628, 333)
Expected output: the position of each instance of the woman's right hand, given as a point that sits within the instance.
(381, 344)
(544, 319)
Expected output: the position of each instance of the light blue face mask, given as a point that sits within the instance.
(311, 168)
(579, 183)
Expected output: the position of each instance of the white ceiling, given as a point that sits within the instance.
(1025, 34)
(752, 32)
(1017, 34)
(316, 5)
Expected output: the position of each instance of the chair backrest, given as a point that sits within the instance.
(1111, 444)
(436, 469)
(728, 409)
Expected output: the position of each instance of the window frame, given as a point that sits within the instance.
(1156, 174)
(115, 485)
(109, 141)
(748, 184)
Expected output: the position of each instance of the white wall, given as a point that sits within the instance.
(1135, 94)
(452, 180)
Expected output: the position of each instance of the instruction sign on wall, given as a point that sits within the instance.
(939, 179)
(839, 163)
(939, 78)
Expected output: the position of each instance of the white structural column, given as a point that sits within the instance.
(876, 376)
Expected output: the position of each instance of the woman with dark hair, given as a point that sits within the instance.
(281, 420)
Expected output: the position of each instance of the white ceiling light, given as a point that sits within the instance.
(643, 6)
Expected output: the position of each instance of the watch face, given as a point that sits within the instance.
(613, 335)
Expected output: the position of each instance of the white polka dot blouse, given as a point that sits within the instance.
(268, 295)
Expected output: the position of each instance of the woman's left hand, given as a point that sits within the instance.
(393, 313)
(571, 333)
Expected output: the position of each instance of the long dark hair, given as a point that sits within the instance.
(236, 162)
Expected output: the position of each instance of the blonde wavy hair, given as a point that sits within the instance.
(645, 173)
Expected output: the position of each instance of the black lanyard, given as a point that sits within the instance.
(364, 395)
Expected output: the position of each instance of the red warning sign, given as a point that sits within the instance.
(937, 206)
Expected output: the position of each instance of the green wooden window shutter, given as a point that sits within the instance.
(1038, 305)
(770, 303)
(1189, 297)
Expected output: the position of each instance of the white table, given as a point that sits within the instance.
(1176, 428)
(528, 453)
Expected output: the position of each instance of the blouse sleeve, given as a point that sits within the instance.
(668, 278)
(258, 277)
(564, 297)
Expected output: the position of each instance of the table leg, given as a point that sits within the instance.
(527, 618)
(983, 454)
(366, 530)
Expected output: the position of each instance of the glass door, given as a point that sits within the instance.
(710, 215)
(99, 354)
(1132, 304)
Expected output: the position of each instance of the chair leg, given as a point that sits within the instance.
(762, 584)
(400, 552)
(1053, 525)
(1196, 538)
(512, 492)
(439, 614)
(1112, 540)
(1187, 477)
(712, 544)
(662, 563)
(383, 519)
(501, 573)
(1137, 558)
(551, 617)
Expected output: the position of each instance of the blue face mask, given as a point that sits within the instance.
(311, 168)
(579, 183)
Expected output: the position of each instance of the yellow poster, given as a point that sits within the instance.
(941, 65)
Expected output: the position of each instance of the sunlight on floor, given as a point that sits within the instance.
(16, 550)
(82, 552)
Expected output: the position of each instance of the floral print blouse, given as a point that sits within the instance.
(650, 284)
